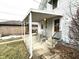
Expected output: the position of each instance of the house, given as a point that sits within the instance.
(11, 28)
(68, 9)
(53, 19)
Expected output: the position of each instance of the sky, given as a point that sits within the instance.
(16, 9)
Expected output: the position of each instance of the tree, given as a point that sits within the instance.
(74, 28)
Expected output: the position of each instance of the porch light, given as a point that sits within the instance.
(44, 19)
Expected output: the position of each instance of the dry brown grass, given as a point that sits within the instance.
(15, 50)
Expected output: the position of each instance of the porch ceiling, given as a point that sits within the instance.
(39, 15)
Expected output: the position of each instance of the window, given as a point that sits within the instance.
(54, 3)
(56, 25)
(34, 28)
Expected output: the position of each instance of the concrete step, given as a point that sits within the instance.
(51, 43)
(50, 56)
(46, 56)
(40, 49)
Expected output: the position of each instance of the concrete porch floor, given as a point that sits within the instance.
(40, 48)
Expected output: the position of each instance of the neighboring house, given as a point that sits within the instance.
(11, 28)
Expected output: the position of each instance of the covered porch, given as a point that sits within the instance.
(40, 22)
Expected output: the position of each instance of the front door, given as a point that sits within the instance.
(56, 25)
(57, 33)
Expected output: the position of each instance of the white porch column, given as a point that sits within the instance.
(30, 35)
(24, 32)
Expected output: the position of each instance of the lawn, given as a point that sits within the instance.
(15, 50)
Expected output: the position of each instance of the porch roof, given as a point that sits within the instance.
(39, 15)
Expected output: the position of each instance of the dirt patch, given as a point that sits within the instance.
(65, 52)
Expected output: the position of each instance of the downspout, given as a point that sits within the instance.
(30, 35)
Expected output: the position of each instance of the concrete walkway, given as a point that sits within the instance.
(11, 41)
